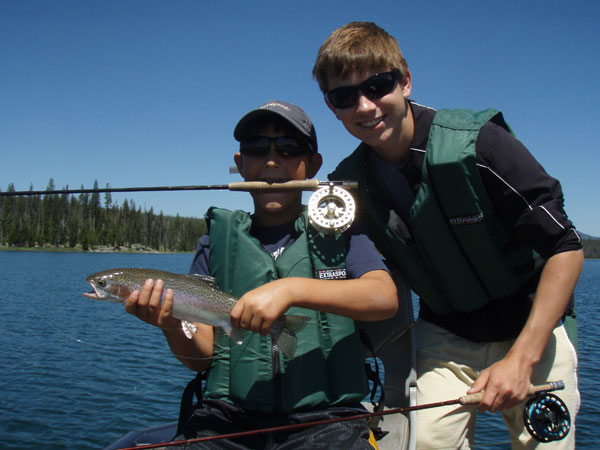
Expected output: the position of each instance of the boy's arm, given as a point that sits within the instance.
(506, 382)
(373, 296)
(534, 206)
(195, 353)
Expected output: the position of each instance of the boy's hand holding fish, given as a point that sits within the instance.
(258, 309)
(145, 304)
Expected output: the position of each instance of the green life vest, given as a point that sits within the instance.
(328, 367)
(455, 252)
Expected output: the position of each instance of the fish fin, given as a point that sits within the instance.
(206, 278)
(287, 342)
(189, 329)
(237, 335)
(293, 323)
(284, 335)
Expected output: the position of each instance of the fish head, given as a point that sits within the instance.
(108, 285)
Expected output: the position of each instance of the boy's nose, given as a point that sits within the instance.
(272, 157)
(364, 104)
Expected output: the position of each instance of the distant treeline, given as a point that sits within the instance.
(591, 247)
(65, 220)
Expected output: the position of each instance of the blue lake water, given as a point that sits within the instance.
(77, 374)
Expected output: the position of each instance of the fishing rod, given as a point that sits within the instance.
(248, 186)
(331, 208)
(546, 417)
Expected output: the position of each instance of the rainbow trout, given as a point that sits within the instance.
(196, 298)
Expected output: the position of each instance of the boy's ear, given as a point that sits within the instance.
(314, 164)
(406, 84)
(239, 163)
(331, 107)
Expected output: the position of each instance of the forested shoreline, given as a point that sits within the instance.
(591, 247)
(90, 222)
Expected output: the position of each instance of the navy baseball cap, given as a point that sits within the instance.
(288, 111)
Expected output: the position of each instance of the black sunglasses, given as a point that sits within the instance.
(284, 146)
(373, 88)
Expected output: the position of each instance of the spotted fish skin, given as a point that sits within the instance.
(196, 298)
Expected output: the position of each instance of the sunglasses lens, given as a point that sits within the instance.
(290, 150)
(255, 147)
(284, 146)
(343, 97)
(375, 87)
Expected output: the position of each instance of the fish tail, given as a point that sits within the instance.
(285, 336)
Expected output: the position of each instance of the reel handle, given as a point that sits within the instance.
(547, 387)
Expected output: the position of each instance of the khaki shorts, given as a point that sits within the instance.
(447, 365)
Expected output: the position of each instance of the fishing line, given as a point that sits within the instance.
(62, 332)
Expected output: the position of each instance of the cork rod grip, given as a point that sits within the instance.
(294, 185)
(550, 386)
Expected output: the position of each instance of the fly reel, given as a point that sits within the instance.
(547, 418)
(331, 209)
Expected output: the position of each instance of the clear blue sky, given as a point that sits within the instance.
(147, 92)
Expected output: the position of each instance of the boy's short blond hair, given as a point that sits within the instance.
(357, 47)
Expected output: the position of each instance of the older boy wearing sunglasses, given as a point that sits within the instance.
(478, 228)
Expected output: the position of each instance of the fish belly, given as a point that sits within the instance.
(193, 309)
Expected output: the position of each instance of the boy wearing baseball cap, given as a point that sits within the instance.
(271, 259)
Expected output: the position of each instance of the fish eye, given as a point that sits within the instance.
(101, 282)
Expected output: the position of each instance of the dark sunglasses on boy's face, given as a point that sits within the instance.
(284, 146)
(373, 88)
